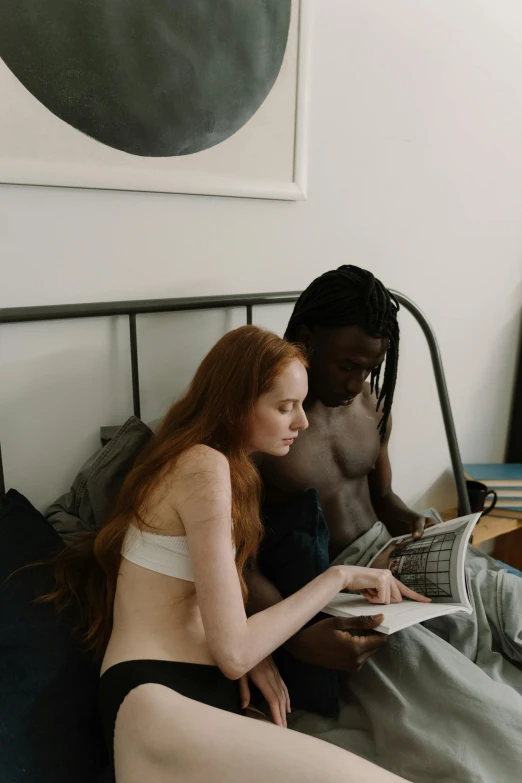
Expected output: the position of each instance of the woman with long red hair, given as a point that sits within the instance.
(163, 594)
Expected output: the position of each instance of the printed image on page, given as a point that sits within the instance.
(433, 564)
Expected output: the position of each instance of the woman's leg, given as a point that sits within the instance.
(163, 737)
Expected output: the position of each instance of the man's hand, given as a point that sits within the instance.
(329, 643)
(415, 525)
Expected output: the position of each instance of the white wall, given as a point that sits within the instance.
(415, 171)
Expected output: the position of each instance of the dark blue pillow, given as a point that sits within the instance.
(295, 551)
(49, 726)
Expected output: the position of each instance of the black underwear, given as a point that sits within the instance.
(206, 684)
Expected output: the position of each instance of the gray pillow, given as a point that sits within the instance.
(89, 499)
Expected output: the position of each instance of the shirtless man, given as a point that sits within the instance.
(348, 322)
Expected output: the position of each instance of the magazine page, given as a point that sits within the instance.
(396, 616)
(434, 564)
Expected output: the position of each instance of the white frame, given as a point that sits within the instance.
(55, 175)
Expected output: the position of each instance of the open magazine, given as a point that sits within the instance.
(432, 565)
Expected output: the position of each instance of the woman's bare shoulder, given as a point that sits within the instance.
(198, 467)
(201, 459)
(196, 475)
(203, 453)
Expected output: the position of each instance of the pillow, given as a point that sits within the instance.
(109, 432)
(93, 490)
(293, 552)
(49, 726)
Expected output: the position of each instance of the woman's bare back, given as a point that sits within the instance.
(157, 616)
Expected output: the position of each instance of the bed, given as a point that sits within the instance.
(48, 716)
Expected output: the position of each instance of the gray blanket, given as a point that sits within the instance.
(442, 701)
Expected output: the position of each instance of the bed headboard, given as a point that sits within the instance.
(132, 309)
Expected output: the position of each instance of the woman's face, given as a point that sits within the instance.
(278, 415)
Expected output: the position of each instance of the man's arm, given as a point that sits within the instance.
(388, 506)
(327, 643)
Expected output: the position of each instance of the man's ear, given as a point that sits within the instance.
(304, 335)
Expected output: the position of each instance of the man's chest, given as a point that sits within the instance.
(326, 454)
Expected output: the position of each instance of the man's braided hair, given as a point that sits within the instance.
(350, 296)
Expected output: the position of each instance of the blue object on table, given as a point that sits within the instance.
(491, 472)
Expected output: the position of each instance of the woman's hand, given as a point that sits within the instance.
(267, 678)
(378, 585)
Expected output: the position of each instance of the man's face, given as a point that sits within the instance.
(340, 362)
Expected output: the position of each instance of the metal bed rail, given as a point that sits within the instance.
(133, 308)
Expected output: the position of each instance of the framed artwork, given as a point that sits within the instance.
(180, 96)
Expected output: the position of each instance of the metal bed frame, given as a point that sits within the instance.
(514, 446)
(132, 309)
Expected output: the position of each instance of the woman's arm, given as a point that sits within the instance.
(201, 494)
(261, 592)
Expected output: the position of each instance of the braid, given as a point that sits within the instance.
(350, 296)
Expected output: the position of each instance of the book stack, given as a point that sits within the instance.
(506, 480)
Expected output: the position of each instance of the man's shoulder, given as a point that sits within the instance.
(369, 406)
(369, 399)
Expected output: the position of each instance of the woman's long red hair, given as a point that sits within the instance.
(215, 410)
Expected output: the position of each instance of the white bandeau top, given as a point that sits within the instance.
(167, 555)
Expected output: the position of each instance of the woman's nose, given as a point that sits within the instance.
(302, 422)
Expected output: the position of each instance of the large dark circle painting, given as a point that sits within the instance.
(149, 77)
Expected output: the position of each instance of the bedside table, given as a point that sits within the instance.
(506, 531)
